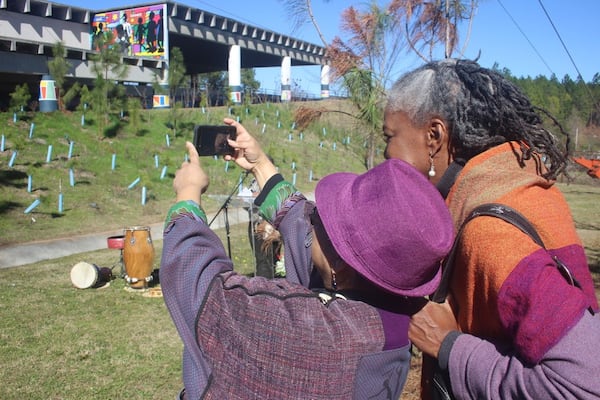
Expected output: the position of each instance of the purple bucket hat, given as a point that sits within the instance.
(390, 224)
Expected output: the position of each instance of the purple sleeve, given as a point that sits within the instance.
(570, 370)
(192, 256)
(296, 232)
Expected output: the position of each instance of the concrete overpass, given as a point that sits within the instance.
(209, 42)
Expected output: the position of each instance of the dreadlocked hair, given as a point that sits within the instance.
(482, 109)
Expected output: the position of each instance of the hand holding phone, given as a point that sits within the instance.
(211, 140)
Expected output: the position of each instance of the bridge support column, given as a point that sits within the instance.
(325, 81)
(162, 98)
(48, 99)
(286, 83)
(235, 74)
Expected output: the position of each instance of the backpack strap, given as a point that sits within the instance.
(509, 215)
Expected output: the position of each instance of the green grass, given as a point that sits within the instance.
(99, 198)
(58, 342)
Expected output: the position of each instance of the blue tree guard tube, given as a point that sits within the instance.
(70, 150)
(226, 166)
(163, 172)
(33, 205)
(49, 155)
(143, 195)
(15, 117)
(135, 182)
(13, 157)
(156, 160)
(114, 161)
(2, 144)
(294, 178)
(310, 176)
(289, 137)
(29, 184)
(324, 132)
(31, 130)
(82, 119)
(60, 203)
(301, 135)
(71, 177)
(168, 140)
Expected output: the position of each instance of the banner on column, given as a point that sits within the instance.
(160, 101)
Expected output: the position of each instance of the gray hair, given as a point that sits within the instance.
(480, 107)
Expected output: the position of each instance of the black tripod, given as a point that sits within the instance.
(225, 206)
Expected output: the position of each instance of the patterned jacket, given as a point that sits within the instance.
(253, 338)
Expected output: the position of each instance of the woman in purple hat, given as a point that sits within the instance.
(357, 266)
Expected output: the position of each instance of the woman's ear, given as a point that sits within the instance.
(437, 135)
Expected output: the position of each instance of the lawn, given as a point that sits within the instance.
(59, 342)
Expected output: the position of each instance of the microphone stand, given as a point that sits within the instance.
(224, 207)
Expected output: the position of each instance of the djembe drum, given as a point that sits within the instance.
(85, 275)
(138, 256)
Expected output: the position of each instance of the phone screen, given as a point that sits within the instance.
(211, 140)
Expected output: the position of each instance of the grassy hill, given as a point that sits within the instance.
(111, 343)
(102, 176)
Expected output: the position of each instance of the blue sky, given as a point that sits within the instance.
(516, 34)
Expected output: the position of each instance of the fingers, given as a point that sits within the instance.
(192, 153)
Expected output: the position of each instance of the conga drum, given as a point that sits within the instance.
(138, 256)
(85, 275)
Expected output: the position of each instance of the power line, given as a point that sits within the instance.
(560, 38)
(526, 38)
(568, 53)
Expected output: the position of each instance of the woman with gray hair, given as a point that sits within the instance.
(513, 326)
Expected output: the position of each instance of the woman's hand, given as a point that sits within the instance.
(429, 327)
(190, 180)
(249, 155)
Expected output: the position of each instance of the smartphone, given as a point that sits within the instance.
(211, 140)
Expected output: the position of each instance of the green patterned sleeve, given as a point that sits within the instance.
(188, 208)
(277, 198)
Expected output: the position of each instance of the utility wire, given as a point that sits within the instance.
(526, 38)
(560, 38)
(568, 53)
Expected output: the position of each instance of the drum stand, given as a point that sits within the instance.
(117, 242)
(225, 206)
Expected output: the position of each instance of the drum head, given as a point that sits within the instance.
(84, 275)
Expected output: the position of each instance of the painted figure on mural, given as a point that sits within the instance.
(151, 33)
(98, 36)
(140, 29)
(160, 32)
(127, 34)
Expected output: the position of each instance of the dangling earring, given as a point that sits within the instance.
(431, 172)
(333, 281)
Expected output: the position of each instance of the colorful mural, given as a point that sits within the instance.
(139, 32)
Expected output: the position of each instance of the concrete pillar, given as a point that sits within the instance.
(235, 74)
(286, 81)
(162, 100)
(48, 100)
(325, 81)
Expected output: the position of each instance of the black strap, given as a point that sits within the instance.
(501, 211)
